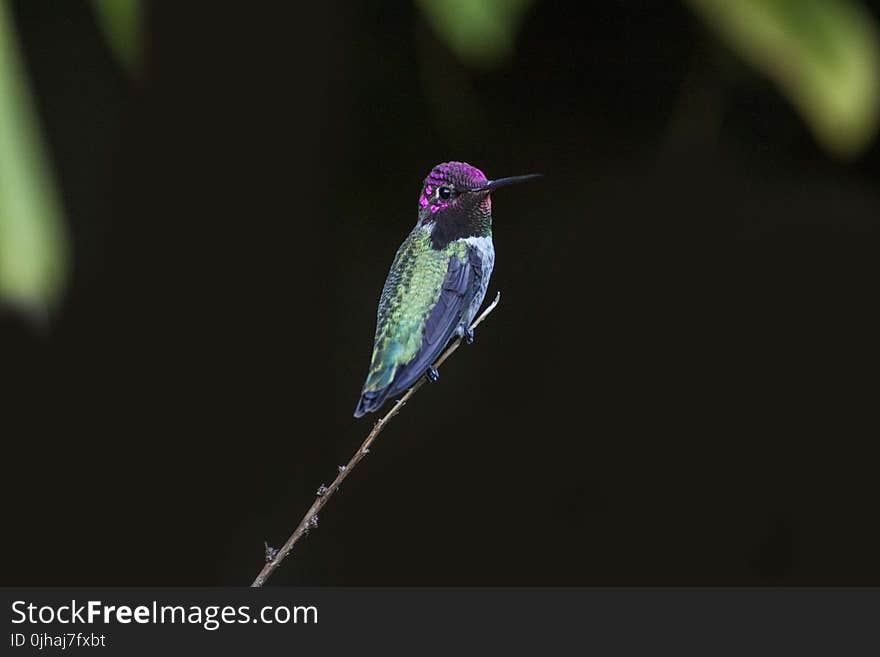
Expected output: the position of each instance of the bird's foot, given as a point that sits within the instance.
(468, 336)
(432, 375)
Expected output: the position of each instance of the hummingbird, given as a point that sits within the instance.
(437, 281)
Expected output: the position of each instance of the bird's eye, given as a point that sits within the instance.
(445, 193)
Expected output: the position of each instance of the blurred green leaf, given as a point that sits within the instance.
(480, 32)
(33, 246)
(823, 55)
(121, 22)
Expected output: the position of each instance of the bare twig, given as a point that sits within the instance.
(324, 493)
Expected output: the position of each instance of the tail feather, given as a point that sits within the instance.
(371, 401)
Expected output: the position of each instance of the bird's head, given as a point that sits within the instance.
(455, 202)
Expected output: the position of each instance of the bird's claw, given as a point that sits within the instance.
(468, 336)
(432, 375)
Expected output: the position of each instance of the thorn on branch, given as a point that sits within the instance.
(271, 552)
(313, 521)
(322, 490)
(341, 468)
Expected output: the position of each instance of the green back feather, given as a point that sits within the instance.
(411, 291)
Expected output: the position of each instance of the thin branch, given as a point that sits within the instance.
(310, 519)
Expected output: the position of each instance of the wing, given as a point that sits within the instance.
(406, 343)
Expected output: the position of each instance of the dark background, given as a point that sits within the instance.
(679, 386)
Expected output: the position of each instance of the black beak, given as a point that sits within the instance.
(492, 185)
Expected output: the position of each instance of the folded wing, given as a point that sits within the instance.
(405, 350)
